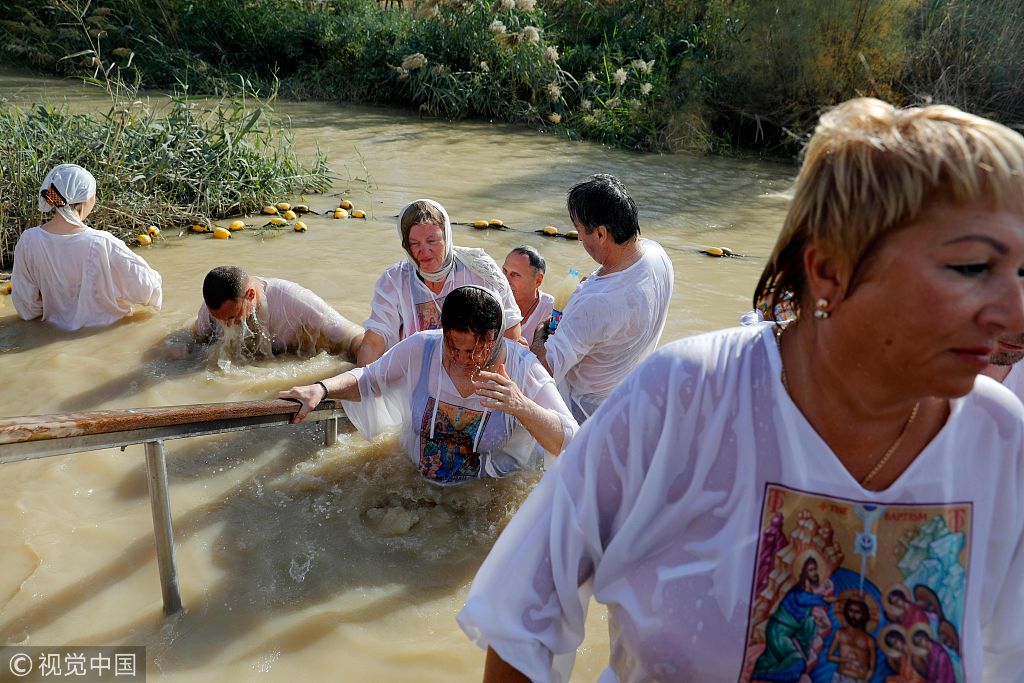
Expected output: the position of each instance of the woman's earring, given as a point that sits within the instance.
(821, 309)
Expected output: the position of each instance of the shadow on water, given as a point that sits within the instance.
(17, 335)
(155, 368)
(351, 528)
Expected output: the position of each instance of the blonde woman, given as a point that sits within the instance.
(859, 435)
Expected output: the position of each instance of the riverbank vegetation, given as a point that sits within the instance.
(709, 75)
(185, 163)
(181, 162)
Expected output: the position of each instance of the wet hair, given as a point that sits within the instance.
(537, 261)
(420, 212)
(472, 309)
(224, 283)
(870, 169)
(603, 200)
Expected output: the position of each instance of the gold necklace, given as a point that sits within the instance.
(895, 444)
(892, 449)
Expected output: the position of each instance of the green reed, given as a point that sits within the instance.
(178, 163)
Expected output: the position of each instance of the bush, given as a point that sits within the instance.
(642, 74)
(187, 164)
(970, 55)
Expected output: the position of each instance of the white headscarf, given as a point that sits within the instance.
(476, 260)
(449, 258)
(72, 183)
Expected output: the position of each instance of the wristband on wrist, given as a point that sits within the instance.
(325, 390)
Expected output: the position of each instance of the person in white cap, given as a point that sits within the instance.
(71, 275)
(409, 295)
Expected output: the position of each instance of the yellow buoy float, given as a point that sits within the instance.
(144, 240)
(153, 231)
(289, 215)
(713, 251)
(549, 230)
(221, 234)
(270, 210)
(277, 221)
(340, 213)
(358, 214)
(283, 206)
(495, 223)
(345, 204)
(199, 228)
(236, 225)
(301, 208)
(7, 288)
(299, 226)
(572, 235)
(480, 225)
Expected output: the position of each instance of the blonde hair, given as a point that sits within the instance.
(871, 168)
(417, 213)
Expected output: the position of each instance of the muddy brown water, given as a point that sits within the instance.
(299, 562)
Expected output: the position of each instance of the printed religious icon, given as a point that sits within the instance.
(446, 452)
(848, 591)
(428, 314)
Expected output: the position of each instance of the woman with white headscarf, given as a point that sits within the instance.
(71, 275)
(468, 403)
(409, 295)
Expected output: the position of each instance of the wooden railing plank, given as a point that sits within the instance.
(40, 427)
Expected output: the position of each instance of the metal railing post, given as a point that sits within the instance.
(159, 499)
(331, 431)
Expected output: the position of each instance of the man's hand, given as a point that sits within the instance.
(540, 335)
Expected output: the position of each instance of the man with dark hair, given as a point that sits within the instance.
(268, 316)
(524, 269)
(615, 317)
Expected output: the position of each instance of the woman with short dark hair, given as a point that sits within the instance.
(467, 402)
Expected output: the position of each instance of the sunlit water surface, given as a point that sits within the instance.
(299, 562)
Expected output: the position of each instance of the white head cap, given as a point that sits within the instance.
(65, 186)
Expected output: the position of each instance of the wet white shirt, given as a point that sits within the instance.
(692, 504)
(398, 391)
(403, 305)
(612, 323)
(85, 279)
(540, 313)
(296, 318)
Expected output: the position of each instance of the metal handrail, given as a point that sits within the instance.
(43, 436)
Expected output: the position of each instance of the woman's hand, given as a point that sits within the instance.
(309, 396)
(500, 392)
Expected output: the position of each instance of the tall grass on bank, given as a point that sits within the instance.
(180, 163)
(970, 55)
(643, 74)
